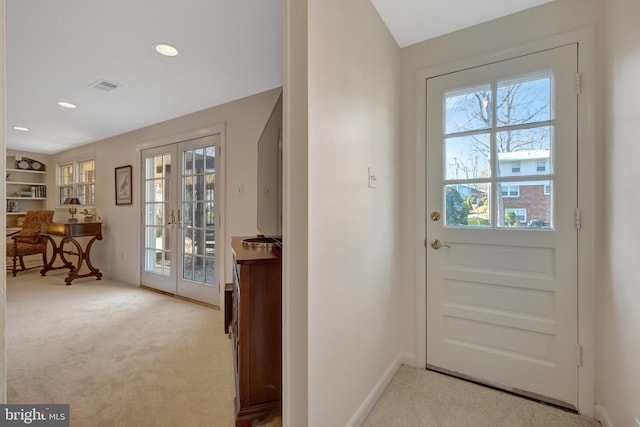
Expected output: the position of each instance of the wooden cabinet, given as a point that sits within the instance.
(26, 188)
(256, 332)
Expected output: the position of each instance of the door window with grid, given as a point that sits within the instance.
(499, 149)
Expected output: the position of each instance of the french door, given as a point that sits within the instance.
(501, 225)
(180, 215)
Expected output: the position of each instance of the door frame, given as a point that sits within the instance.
(221, 230)
(588, 183)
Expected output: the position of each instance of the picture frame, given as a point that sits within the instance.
(124, 194)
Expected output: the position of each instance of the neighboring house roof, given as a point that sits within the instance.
(524, 155)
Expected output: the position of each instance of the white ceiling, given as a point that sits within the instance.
(228, 50)
(412, 21)
(57, 49)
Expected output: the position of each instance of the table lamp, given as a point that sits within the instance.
(73, 209)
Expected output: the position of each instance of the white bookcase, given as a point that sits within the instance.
(26, 188)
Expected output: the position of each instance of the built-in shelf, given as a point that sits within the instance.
(21, 182)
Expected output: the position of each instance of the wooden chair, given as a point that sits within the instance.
(28, 240)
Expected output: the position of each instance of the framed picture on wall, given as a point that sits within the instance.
(123, 186)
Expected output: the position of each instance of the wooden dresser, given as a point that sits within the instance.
(256, 332)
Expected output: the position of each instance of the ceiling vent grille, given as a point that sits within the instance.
(104, 85)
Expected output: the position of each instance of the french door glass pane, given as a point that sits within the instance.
(211, 159)
(524, 147)
(209, 271)
(525, 204)
(198, 269)
(468, 157)
(187, 270)
(525, 100)
(468, 109)
(468, 205)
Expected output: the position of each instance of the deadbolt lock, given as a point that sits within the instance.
(435, 216)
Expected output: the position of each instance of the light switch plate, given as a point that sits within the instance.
(373, 181)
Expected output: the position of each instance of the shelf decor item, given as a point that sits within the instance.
(123, 185)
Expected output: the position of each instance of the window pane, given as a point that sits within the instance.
(86, 171)
(188, 163)
(524, 101)
(188, 268)
(211, 159)
(211, 184)
(65, 175)
(524, 151)
(65, 192)
(532, 208)
(198, 157)
(467, 157)
(467, 205)
(468, 110)
(86, 194)
(198, 274)
(210, 272)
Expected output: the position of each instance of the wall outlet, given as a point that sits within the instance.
(373, 181)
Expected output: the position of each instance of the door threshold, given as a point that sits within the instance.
(548, 401)
(169, 294)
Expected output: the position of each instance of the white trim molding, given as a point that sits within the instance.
(602, 415)
(370, 401)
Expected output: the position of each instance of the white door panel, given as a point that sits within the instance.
(502, 288)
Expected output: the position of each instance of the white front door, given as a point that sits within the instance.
(501, 224)
(179, 220)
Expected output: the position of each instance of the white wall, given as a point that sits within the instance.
(618, 363)
(3, 146)
(355, 335)
(118, 254)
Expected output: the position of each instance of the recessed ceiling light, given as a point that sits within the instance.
(66, 104)
(21, 128)
(165, 49)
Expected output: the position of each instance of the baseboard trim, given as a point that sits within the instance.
(369, 402)
(602, 415)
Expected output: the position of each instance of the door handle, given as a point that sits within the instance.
(437, 244)
(173, 217)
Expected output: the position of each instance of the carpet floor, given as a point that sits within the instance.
(420, 398)
(123, 356)
(119, 355)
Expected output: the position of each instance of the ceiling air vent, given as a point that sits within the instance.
(104, 85)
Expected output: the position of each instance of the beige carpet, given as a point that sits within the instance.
(119, 355)
(420, 398)
(123, 356)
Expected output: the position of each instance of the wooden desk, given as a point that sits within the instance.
(69, 231)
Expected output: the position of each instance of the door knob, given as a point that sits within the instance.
(437, 244)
